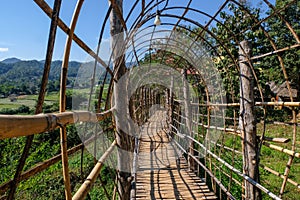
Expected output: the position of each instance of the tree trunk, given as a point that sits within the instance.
(124, 141)
(247, 123)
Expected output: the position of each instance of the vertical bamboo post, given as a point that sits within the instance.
(62, 104)
(123, 139)
(170, 105)
(247, 122)
(39, 106)
(187, 108)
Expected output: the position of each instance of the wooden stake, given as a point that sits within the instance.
(123, 139)
(247, 123)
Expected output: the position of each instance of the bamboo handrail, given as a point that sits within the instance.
(287, 104)
(20, 125)
(88, 183)
(238, 172)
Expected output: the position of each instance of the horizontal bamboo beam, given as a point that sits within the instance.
(20, 125)
(278, 148)
(272, 171)
(89, 181)
(287, 104)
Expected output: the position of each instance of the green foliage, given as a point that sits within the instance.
(24, 77)
(273, 33)
(20, 110)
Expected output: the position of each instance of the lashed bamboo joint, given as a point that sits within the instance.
(17, 126)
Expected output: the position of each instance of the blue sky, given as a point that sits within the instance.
(24, 27)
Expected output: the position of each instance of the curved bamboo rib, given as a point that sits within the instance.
(45, 7)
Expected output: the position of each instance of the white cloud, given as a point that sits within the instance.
(3, 49)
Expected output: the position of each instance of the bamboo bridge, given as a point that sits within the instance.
(163, 119)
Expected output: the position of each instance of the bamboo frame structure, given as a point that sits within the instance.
(219, 162)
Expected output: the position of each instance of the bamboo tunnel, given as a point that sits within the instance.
(217, 162)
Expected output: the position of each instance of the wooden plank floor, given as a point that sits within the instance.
(162, 172)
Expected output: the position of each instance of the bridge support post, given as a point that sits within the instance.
(188, 115)
(247, 122)
(125, 141)
(170, 105)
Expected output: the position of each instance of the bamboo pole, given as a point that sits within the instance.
(62, 107)
(286, 104)
(44, 6)
(20, 125)
(278, 148)
(90, 180)
(280, 175)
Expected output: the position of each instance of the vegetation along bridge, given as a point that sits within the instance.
(193, 103)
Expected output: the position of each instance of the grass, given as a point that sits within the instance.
(271, 158)
(49, 183)
(27, 100)
(50, 98)
(277, 161)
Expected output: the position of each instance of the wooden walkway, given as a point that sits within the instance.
(162, 171)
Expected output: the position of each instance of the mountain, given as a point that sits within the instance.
(10, 60)
(26, 71)
(24, 76)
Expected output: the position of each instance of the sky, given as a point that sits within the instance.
(24, 27)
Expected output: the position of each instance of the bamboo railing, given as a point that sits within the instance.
(17, 126)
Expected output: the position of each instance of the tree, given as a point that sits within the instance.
(228, 34)
(123, 139)
(283, 37)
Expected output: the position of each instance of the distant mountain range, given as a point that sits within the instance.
(17, 76)
(11, 60)
(14, 70)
